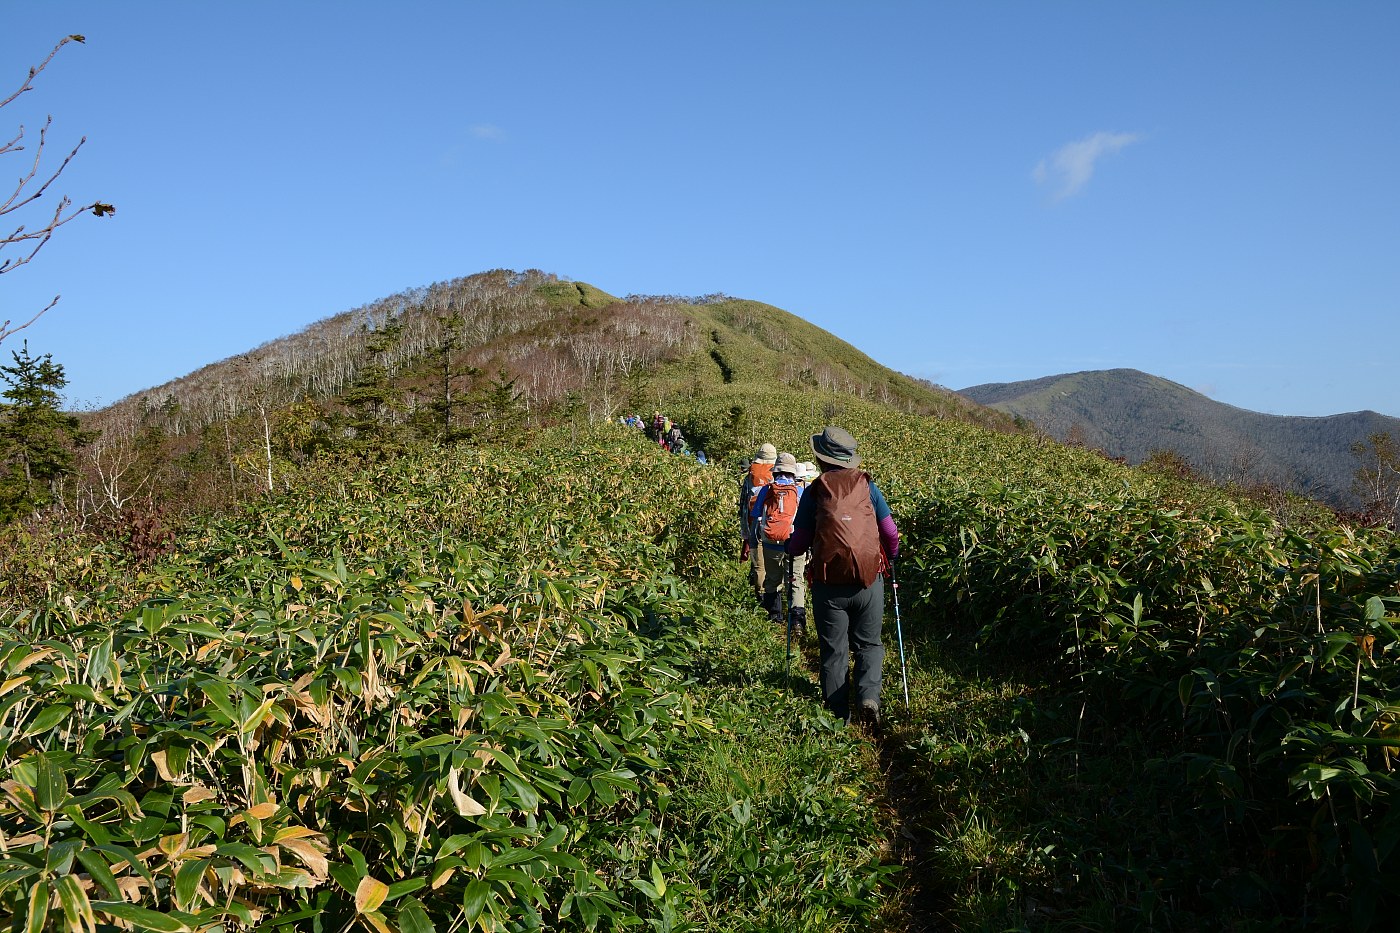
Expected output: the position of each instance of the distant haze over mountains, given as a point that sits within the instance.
(1130, 414)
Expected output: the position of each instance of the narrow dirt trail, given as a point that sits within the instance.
(920, 906)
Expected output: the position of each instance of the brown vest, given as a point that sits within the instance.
(846, 536)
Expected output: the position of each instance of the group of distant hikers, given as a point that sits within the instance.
(823, 529)
(665, 432)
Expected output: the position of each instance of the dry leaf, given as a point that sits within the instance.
(162, 766)
(505, 657)
(465, 804)
(311, 856)
(198, 794)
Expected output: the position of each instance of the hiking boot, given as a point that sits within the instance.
(769, 604)
(799, 622)
(868, 717)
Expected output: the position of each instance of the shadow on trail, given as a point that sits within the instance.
(922, 903)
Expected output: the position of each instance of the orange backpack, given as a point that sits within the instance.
(760, 475)
(779, 509)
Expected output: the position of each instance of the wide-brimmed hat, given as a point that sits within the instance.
(807, 470)
(766, 454)
(835, 446)
(787, 463)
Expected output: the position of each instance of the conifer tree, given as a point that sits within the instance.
(372, 398)
(36, 438)
(498, 408)
(442, 418)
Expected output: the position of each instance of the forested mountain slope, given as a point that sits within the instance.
(489, 355)
(1131, 414)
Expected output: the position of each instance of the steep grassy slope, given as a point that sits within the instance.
(1131, 414)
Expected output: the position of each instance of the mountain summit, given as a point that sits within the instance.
(1131, 414)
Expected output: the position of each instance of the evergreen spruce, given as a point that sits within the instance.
(36, 438)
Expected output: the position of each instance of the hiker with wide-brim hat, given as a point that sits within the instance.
(846, 524)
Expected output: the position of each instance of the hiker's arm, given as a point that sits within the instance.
(889, 537)
(799, 541)
(889, 533)
(803, 527)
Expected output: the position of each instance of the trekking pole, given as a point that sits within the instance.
(787, 616)
(899, 631)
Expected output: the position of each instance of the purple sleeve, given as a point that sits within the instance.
(799, 541)
(889, 537)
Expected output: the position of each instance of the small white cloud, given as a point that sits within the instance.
(487, 131)
(1070, 168)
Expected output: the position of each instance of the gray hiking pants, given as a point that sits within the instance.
(848, 621)
(775, 576)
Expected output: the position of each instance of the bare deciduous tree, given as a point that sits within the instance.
(32, 184)
(113, 458)
(1377, 478)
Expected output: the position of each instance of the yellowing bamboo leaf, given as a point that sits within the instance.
(371, 675)
(503, 659)
(131, 887)
(198, 794)
(466, 806)
(20, 793)
(369, 894)
(296, 583)
(256, 717)
(34, 657)
(443, 876)
(311, 856)
(262, 811)
(378, 921)
(13, 682)
(295, 832)
(171, 846)
(37, 914)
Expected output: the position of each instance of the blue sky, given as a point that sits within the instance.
(968, 192)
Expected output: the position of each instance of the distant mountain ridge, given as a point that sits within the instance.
(1131, 414)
